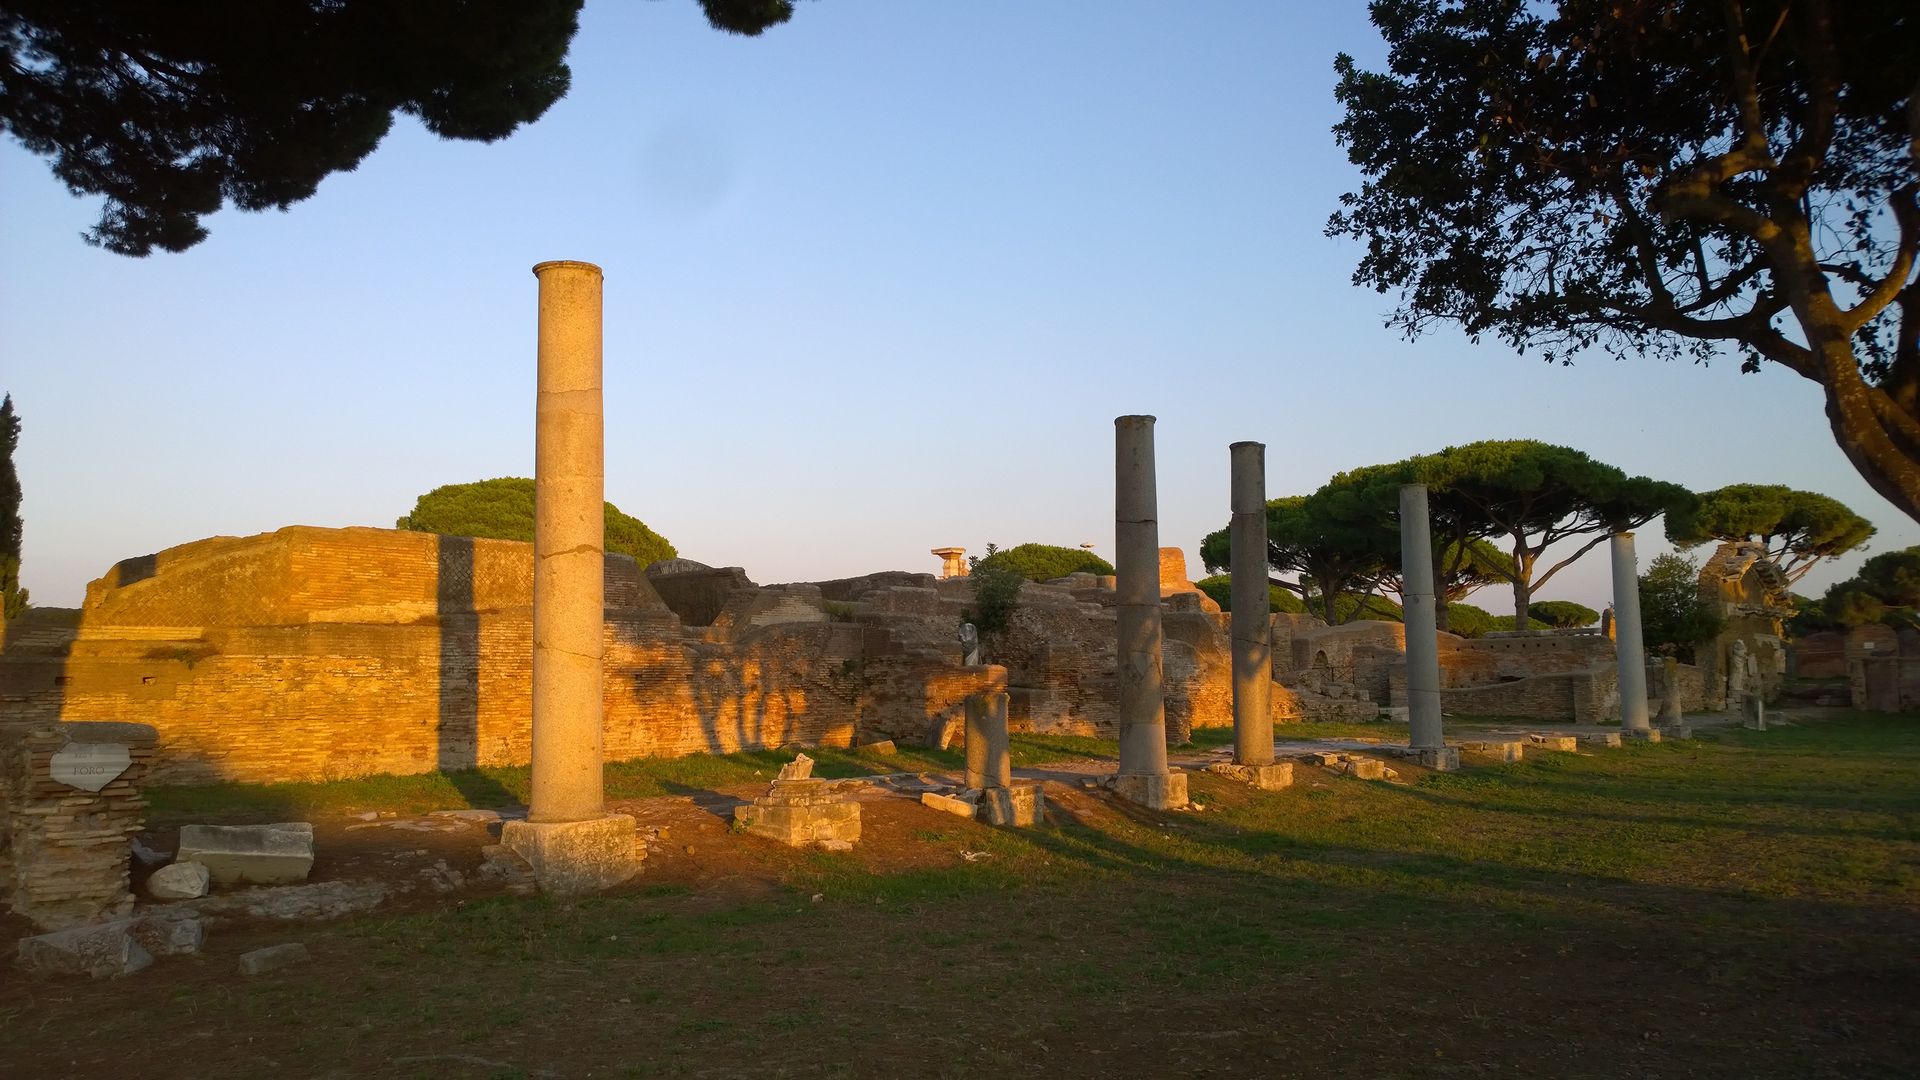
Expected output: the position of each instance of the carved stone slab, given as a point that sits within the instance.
(89, 766)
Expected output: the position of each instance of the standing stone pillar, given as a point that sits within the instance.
(1629, 655)
(989, 761)
(1426, 740)
(1144, 776)
(568, 838)
(1252, 626)
(1670, 710)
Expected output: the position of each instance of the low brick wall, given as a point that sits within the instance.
(64, 850)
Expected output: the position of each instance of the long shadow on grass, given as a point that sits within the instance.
(1386, 886)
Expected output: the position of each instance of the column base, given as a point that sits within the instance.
(1503, 750)
(1019, 806)
(1676, 731)
(1640, 735)
(1437, 758)
(571, 858)
(1265, 777)
(1602, 738)
(1165, 791)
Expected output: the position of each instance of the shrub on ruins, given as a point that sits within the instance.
(502, 509)
(13, 598)
(1220, 588)
(1562, 614)
(996, 596)
(1798, 528)
(1682, 179)
(170, 111)
(1673, 618)
(1044, 562)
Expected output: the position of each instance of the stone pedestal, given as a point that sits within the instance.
(1503, 750)
(802, 812)
(1142, 712)
(1601, 738)
(1251, 624)
(1271, 777)
(1650, 734)
(1437, 758)
(953, 562)
(570, 858)
(1021, 806)
(69, 806)
(1423, 644)
(1167, 791)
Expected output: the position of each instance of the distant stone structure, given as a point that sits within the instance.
(1751, 596)
(953, 562)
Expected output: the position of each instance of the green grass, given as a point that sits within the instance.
(1740, 905)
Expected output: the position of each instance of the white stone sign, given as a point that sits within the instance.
(89, 766)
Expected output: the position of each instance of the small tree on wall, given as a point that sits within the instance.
(996, 596)
(13, 598)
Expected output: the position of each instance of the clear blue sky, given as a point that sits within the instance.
(877, 282)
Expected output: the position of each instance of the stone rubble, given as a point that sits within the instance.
(273, 958)
(179, 881)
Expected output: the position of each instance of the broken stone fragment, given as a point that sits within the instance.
(272, 958)
(257, 854)
(1019, 806)
(957, 807)
(101, 951)
(800, 768)
(180, 881)
(170, 932)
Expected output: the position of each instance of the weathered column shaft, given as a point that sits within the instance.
(1629, 654)
(987, 758)
(569, 601)
(1423, 647)
(1252, 626)
(1143, 714)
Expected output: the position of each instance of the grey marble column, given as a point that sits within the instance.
(1252, 627)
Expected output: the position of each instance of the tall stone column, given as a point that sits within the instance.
(1144, 776)
(571, 842)
(1252, 628)
(1426, 738)
(1629, 654)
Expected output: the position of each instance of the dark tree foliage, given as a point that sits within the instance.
(1220, 588)
(1531, 495)
(1664, 177)
(1673, 620)
(1044, 562)
(502, 509)
(169, 110)
(1562, 614)
(1799, 528)
(1887, 589)
(13, 598)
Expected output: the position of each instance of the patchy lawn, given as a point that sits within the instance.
(1741, 906)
